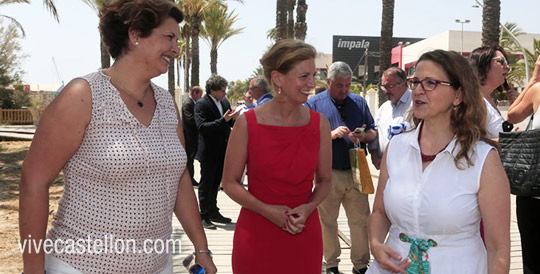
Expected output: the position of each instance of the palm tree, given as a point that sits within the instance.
(290, 18)
(281, 19)
(387, 26)
(194, 10)
(186, 34)
(13, 20)
(300, 28)
(216, 29)
(491, 14)
(517, 72)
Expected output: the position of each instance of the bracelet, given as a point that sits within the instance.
(203, 251)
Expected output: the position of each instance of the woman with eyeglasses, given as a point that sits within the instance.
(528, 208)
(492, 67)
(438, 180)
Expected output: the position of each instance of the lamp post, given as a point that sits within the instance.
(465, 21)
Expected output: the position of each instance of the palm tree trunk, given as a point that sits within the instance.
(491, 15)
(187, 63)
(178, 69)
(213, 61)
(290, 18)
(105, 57)
(195, 63)
(281, 19)
(170, 74)
(300, 28)
(387, 26)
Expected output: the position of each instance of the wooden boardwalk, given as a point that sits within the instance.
(220, 240)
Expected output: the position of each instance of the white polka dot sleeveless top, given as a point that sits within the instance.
(120, 185)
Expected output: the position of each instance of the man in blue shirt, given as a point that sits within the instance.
(260, 90)
(345, 112)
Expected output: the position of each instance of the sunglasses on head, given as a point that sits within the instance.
(501, 60)
(192, 268)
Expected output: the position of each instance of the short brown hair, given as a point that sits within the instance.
(283, 55)
(117, 17)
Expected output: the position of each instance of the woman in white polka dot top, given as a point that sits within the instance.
(118, 139)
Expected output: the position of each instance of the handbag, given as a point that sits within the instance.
(360, 170)
(520, 156)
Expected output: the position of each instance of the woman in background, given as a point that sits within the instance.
(284, 146)
(492, 67)
(528, 208)
(118, 139)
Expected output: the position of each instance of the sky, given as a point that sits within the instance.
(73, 43)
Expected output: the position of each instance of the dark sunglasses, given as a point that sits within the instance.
(427, 84)
(192, 269)
(501, 60)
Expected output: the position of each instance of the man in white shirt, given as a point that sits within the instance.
(392, 112)
(248, 103)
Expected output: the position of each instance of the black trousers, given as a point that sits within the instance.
(528, 216)
(211, 173)
(191, 152)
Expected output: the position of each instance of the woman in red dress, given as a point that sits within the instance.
(285, 146)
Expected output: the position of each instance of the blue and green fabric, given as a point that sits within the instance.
(418, 254)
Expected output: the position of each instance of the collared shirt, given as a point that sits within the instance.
(356, 113)
(265, 98)
(218, 104)
(243, 108)
(390, 114)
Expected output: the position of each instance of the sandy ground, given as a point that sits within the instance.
(11, 158)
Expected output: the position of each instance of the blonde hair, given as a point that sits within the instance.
(283, 55)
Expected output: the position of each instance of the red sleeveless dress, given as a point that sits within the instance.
(281, 165)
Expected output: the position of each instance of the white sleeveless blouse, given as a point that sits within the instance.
(438, 203)
(120, 184)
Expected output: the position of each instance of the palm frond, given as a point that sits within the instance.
(49, 4)
(16, 23)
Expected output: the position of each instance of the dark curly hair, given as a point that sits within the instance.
(215, 82)
(481, 59)
(117, 17)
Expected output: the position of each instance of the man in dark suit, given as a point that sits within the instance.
(191, 133)
(214, 119)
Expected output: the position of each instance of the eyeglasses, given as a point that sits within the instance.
(387, 87)
(426, 83)
(501, 60)
(195, 268)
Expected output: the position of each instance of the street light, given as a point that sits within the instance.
(466, 21)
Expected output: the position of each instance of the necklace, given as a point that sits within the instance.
(139, 101)
(427, 158)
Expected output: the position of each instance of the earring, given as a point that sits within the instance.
(136, 43)
(279, 91)
(456, 107)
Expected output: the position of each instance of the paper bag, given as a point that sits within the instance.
(360, 171)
